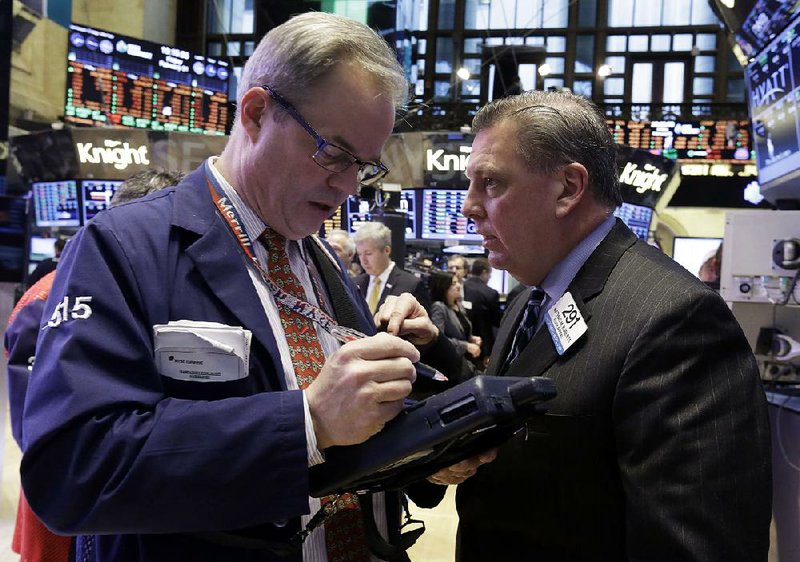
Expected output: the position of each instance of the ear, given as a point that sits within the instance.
(252, 109)
(575, 186)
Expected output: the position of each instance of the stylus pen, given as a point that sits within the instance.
(345, 335)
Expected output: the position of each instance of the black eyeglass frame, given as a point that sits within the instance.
(321, 143)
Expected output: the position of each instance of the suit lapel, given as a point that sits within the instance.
(219, 260)
(541, 352)
(390, 283)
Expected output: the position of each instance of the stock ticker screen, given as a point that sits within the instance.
(97, 196)
(708, 139)
(442, 218)
(117, 80)
(773, 85)
(56, 203)
(636, 217)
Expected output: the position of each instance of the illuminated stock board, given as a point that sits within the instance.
(725, 139)
(120, 81)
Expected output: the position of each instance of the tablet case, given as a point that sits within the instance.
(434, 433)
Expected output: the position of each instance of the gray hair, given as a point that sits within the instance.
(344, 239)
(555, 129)
(375, 231)
(143, 183)
(293, 57)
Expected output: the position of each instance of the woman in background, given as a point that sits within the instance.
(449, 317)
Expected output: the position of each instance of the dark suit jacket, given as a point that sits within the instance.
(657, 446)
(399, 282)
(484, 312)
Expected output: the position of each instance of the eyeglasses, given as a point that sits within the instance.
(330, 156)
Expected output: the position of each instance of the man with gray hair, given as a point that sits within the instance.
(342, 245)
(657, 446)
(192, 367)
(382, 277)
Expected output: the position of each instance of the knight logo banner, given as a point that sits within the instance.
(643, 177)
(113, 154)
(445, 159)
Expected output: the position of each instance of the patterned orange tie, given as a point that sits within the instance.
(345, 540)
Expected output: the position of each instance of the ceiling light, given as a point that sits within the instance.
(545, 69)
(463, 73)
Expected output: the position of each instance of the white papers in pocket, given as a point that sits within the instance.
(193, 351)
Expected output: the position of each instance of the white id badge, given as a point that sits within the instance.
(186, 350)
(199, 365)
(565, 323)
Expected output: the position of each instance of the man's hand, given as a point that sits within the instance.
(360, 388)
(403, 316)
(459, 472)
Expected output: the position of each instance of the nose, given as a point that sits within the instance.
(345, 182)
(471, 207)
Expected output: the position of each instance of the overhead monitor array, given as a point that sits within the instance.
(116, 80)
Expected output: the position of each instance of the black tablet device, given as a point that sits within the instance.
(434, 433)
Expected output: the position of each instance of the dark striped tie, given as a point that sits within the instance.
(527, 327)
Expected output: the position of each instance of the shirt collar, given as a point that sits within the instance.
(385, 275)
(559, 278)
(253, 224)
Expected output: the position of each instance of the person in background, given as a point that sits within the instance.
(49, 264)
(449, 317)
(709, 272)
(382, 277)
(457, 265)
(32, 540)
(191, 368)
(485, 311)
(657, 446)
(342, 245)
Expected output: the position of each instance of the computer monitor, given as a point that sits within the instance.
(97, 196)
(498, 280)
(692, 252)
(14, 229)
(637, 217)
(56, 203)
(41, 248)
(358, 211)
(441, 216)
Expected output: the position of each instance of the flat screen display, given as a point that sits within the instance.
(358, 211)
(13, 236)
(41, 249)
(56, 203)
(637, 217)
(441, 216)
(692, 253)
(702, 139)
(116, 80)
(774, 85)
(97, 196)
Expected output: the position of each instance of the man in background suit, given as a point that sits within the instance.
(484, 312)
(657, 446)
(382, 276)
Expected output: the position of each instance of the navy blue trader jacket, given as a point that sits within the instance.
(144, 466)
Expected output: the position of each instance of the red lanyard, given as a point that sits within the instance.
(289, 301)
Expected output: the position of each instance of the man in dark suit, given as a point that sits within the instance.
(382, 276)
(484, 310)
(657, 446)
